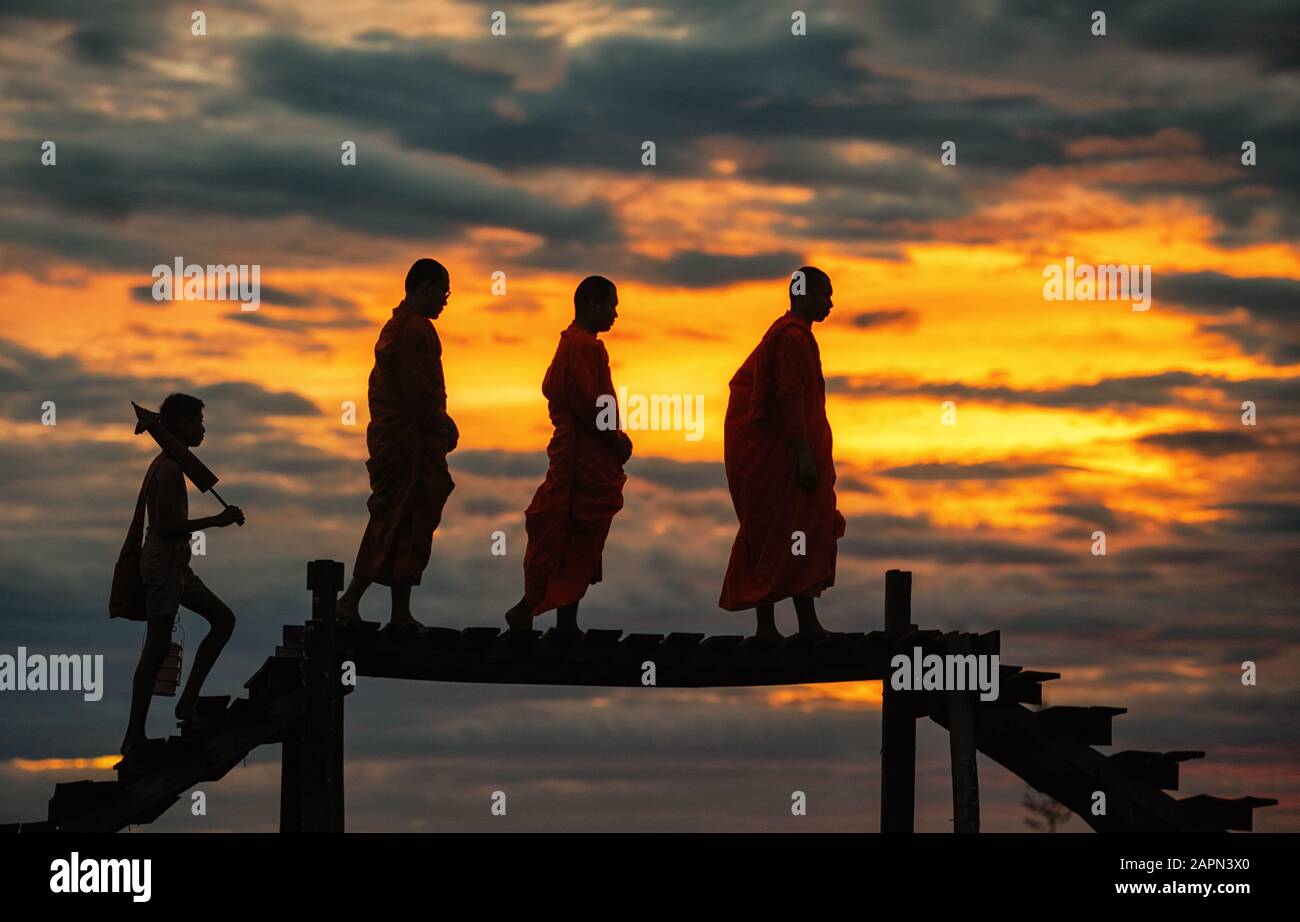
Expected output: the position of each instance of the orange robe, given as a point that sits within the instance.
(569, 517)
(409, 437)
(777, 393)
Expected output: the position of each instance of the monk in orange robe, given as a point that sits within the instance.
(569, 517)
(409, 437)
(777, 451)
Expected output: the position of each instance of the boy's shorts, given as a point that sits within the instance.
(169, 582)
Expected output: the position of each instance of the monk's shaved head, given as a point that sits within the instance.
(424, 271)
(810, 293)
(589, 289)
(595, 304)
(806, 280)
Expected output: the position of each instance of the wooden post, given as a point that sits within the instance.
(322, 738)
(961, 742)
(291, 780)
(898, 723)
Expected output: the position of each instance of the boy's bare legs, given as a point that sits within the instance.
(157, 637)
(221, 625)
(766, 623)
(807, 614)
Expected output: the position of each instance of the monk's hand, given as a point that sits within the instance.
(624, 447)
(453, 434)
(231, 515)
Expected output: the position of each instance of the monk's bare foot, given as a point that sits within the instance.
(519, 619)
(403, 620)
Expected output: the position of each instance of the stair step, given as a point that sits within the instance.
(1159, 769)
(1025, 686)
(275, 677)
(1090, 725)
(1231, 813)
(209, 716)
(292, 635)
(74, 797)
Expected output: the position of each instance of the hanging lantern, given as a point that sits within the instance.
(169, 671)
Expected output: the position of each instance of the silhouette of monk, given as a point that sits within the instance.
(409, 437)
(569, 517)
(165, 571)
(777, 450)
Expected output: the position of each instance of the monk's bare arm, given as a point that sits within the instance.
(169, 521)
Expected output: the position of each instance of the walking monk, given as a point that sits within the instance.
(569, 517)
(409, 437)
(777, 450)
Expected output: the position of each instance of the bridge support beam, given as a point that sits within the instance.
(961, 743)
(291, 779)
(320, 789)
(898, 722)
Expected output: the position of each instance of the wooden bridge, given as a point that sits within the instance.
(296, 699)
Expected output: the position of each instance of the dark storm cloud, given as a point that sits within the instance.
(984, 470)
(1088, 513)
(1209, 443)
(27, 378)
(183, 173)
(269, 294)
(1262, 29)
(1213, 293)
(679, 475)
(895, 317)
(617, 92)
(1157, 390)
(1271, 303)
(104, 34)
(696, 269)
(498, 463)
(1263, 517)
(953, 551)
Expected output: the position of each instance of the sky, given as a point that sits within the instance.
(983, 433)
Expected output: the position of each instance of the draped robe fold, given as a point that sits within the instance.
(779, 392)
(409, 436)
